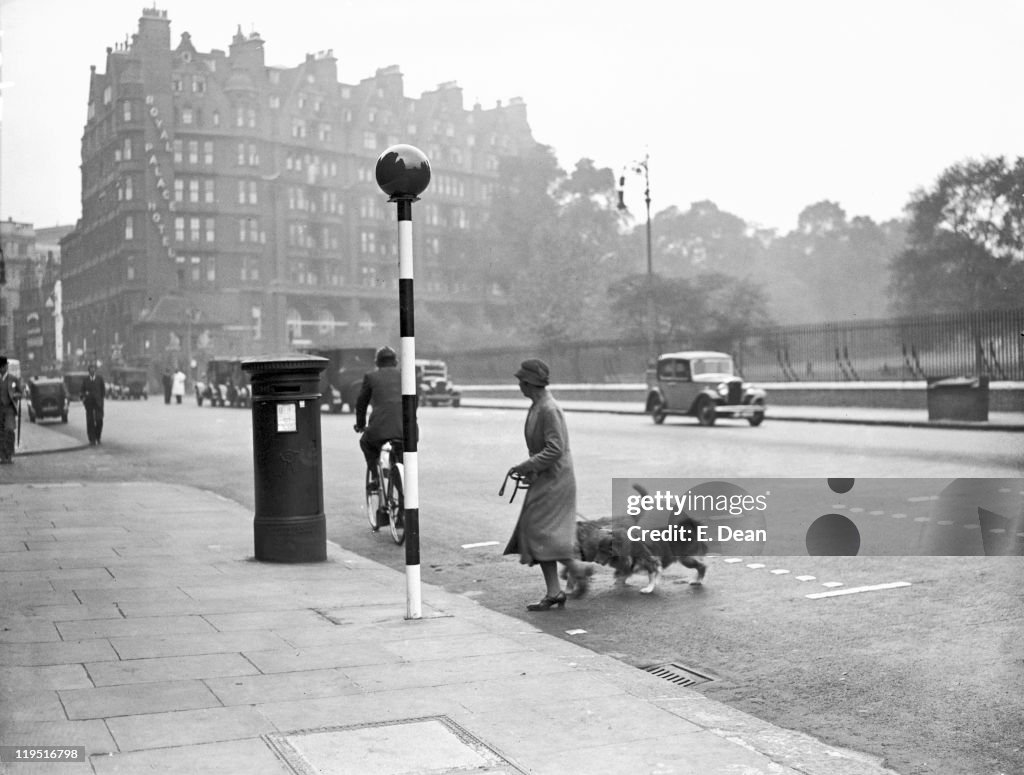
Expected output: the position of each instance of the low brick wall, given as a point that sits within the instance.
(1003, 396)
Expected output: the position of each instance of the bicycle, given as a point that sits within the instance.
(385, 503)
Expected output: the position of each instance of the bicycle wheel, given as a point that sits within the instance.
(374, 502)
(396, 506)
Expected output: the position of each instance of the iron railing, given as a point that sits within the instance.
(913, 348)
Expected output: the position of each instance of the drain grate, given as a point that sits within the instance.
(678, 674)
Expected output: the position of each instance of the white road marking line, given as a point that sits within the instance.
(478, 545)
(922, 519)
(877, 513)
(755, 565)
(735, 559)
(856, 510)
(832, 584)
(575, 632)
(944, 522)
(899, 516)
(855, 590)
(779, 571)
(805, 578)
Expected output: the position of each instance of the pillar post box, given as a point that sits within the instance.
(289, 524)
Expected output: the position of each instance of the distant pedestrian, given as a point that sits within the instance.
(178, 386)
(546, 530)
(10, 400)
(93, 392)
(168, 382)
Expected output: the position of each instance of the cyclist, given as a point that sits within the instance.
(382, 392)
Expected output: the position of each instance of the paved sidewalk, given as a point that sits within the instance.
(998, 421)
(135, 623)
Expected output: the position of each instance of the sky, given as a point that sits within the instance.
(763, 107)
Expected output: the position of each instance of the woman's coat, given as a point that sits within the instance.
(547, 521)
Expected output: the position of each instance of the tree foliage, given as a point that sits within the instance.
(965, 243)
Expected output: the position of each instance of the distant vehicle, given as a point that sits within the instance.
(702, 384)
(341, 380)
(225, 384)
(128, 382)
(433, 386)
(73, 382)
(47, 397)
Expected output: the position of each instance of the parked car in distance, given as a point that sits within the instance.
(702, 384)
(47, 397)
(73, 383)
(342, 378)
(433, 386)
(128, 382)
(225, 384)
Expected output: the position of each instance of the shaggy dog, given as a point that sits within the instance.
(607, 542)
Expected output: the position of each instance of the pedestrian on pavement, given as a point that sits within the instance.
(93, 392)
(546, 530)
(168, 383)
(178, 386)
(10, 400)
(381, 392)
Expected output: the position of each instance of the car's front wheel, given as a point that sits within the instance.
(705, 411)
(758, 416)
(658, 412)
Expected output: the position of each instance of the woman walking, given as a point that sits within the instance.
(546, 528)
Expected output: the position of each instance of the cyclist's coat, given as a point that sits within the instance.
(547, 521)
(381, 389)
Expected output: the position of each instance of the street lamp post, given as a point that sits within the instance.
(642, 168)
(403, 173)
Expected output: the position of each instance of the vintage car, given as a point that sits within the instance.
(342, 379)
(433, 386)
(128, 382)
(47, 397)
(702, 384)
(225, 384)
(73, 383)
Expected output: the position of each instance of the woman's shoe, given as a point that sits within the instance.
(548, 602)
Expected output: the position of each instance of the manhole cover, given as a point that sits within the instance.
(415, 746)
(679, 674)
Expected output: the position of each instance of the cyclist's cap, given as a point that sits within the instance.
(533, 372)
(385, 356)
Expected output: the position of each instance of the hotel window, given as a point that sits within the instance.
(193, 229)
(241, 192)
(325, 133)
(211, 233)
(250, 270)
(208, 152)
(368, 242)
(107, 93)
(211, 269)
(126, 150)
(127, 107)
(179, 190)
(193, 190)
(199, 84)
(187, 116)
(274, 102)
(241, 154)
(298, 127)
(178, 145)
(197, 271)
(250, 114)
(239, 116)
(128, 188)
(369, 140)
(216, 118)
(208, 195)
(130, 268)
(193, 151)
(129, 227)
(254, 155)
(179, 229)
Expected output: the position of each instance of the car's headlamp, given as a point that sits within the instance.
(723, 388)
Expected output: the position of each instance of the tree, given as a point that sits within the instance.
(965, 243)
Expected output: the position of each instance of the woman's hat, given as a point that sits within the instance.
(533, 372)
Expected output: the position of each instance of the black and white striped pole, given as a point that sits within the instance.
(403, 173)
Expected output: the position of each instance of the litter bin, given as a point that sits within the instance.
(958, 398)
(289, 525)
